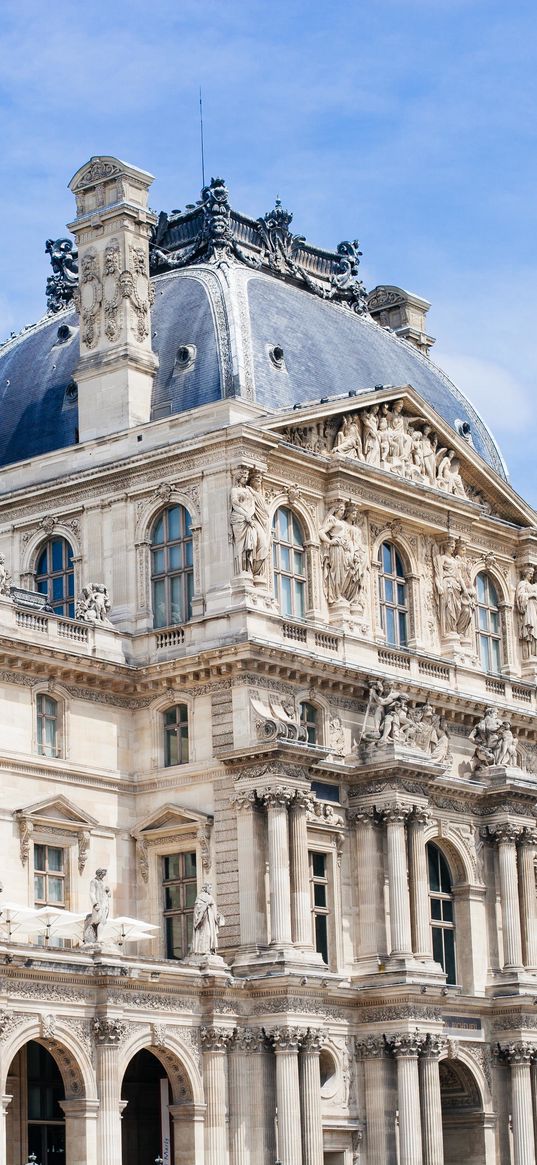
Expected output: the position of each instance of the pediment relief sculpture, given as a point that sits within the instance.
(56, 816)
(344, 557)
(386, 437)
(494, 743)
(390, 721)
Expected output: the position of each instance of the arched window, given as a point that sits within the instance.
(393, 596)
(441, 909)
(289, 558)
(172, 573)
(176, 735)
(488, 624)
(55, 576)
(309, 718)
(47, 726)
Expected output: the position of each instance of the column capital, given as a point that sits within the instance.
(278, 796)
(528, 837)
(302, 800)
(517, 1054)
(249, 1039)
(313, 1041)
(420, 815)
(107, 1031)
(406, 1045)
(394, 812)
(504, 832)
(371, 1048)
(286, 1039)
(215, 1039)
(434, 1046)
(362, 815)
(243, 799)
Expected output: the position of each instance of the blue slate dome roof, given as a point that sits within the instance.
(219, 313)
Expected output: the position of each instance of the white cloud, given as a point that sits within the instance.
(496, 393)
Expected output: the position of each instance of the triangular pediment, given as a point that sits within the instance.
(60, 811)
(170, 817)
(394, 435)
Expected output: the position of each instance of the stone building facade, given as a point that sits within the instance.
(269, 623)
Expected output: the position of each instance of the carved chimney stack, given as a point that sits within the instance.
(117, 365)
(403, 312)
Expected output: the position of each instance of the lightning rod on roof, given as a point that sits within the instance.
(202, 144)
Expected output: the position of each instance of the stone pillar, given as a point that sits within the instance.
(253, 925)
(528, 901)
(188, 1132)
(214, 1042)
(406, 1049)
(80, 1131)
(431, 1101)
(506, 836)
(379, 1132)
(310, 1080)
(300, 874)
(239, 1099)
(401, 940)
(519, 1056)
(419, 883)
(277, 801)
(286, 1042)
(108, 1035)
(366, 877)
(5, 1101)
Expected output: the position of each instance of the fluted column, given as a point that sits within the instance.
(277, 801)
(5, 1101)
(519, 1056)
(506, 836)
(431, 1101)
(253, 926)
(214, 1043)
(366, 879)
(286, 1042)
(379, 1136)
(310, 1073)
(528, 900)
(419, 883)
(406, 1049)
(300, 875)
(401, 940)
(108, 1034)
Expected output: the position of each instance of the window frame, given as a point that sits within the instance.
(180, 728)
(47, 576)
(312, 724)
(297, 581)
(49, 872)
(184, 572)
(41, 719)
(399, 609)
(485, 636)
(317, 911)
(441, 925)
(184, 911)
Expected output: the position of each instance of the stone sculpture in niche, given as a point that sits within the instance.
(494, 742)
(206, 922)
(249, 522)
(526, 610)
(343, 555)
(390, 721)
(100, 894)
(5, 578)
(455, 594)
(93, 604)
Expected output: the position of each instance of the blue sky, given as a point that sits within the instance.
(409, 124)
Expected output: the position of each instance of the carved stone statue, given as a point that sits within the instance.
(5, 577)
(456, 597)
(526, 610)
(94, 923)
(394, 722)
(349, 440)
(249, 522)
(93, 604)
(494, 742)
(64, 278)
(344, 557)
(207, 922)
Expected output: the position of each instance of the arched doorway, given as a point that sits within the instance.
(462, 1115)
(146, 1128)
(35, 1119)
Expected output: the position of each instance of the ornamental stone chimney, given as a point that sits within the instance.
(117, 365)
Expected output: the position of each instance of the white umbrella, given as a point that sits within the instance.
(52, 920)
(15, 917)
(125, 929)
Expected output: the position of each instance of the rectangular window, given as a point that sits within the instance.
(47, 726)
(319, 902)
(176, 735)
(179, 893)
(49, 875)
(325, 792)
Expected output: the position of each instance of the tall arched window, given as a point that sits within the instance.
(47, 725)
(441, 911)
(393, 596)
(289, 558)
(55, 576)
(488, 624)
(172, 572)
(176, 735)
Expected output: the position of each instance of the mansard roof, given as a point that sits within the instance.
(242, 308)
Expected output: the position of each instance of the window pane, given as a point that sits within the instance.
(434, 880)
(171, 866)
(39, 857)
(49, 743)
(321, 935)
(399, 566)
(445, 876)
(172, 897)
(286, 595)
(191, 892)
(438, 946)
(57, 555)
(285, 558)
(57, 588)
(174, 524)
(436, 909)
(388, 590)
(480, 584)
(42, 563)
(175, 557)
(159, 562)
(188, 553)
(176, 599)
(55, 858)
(318, 865)
(298, 562)
(190, 865)
(483, 618)
(55, 889)
(386, 558)
(170, 716)
(158, 532)
(447, 906)
(174, 945)
(319, 894)
(496, 656)
(390, 625)
(402, 628)
(159, 604)
(283, 516)
(299, 599)
(449, 947)
(171, 749)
